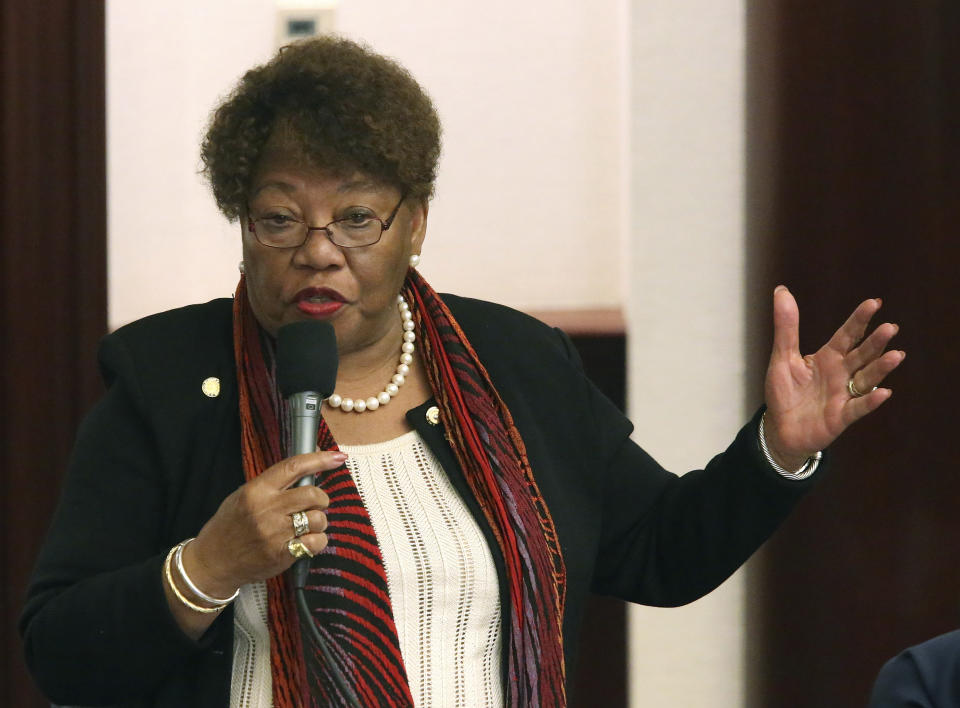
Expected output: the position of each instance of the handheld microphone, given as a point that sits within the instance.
(306, 374)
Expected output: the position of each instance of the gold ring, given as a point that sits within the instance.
(855, 392)
(298, 548)
(301, 524)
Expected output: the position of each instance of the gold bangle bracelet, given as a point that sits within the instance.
(176, 591)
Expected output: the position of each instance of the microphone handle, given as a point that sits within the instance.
(304, 422)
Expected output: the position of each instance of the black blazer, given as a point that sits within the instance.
(924, 676)
(155, 457)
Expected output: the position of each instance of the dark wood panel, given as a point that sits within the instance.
(852, 193)
(600, 679)
(53, 283)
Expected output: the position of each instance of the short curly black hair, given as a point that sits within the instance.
(343, 107)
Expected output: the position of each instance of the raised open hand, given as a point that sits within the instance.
(810, 399)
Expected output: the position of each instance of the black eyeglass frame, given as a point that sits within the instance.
(384, 225)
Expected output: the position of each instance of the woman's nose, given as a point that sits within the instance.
(318, 251)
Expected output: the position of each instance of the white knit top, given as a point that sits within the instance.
(440, 574)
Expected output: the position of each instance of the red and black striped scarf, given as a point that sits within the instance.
(347, 589)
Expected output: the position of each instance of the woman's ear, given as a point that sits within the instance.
(418, 224)
(243, 221)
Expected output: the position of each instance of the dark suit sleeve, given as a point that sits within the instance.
(96, 625)
(666, 540)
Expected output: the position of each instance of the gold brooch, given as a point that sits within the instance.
(433, 415)
(211, 387)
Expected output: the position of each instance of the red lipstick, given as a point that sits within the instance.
(319, 302)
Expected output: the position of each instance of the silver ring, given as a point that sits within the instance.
(855, 392)
(301, 524)
(298, 549)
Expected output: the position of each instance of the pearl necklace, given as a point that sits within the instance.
(403, 368)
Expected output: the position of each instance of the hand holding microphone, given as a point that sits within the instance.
(247, 539)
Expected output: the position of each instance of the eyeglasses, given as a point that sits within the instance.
(360, 227)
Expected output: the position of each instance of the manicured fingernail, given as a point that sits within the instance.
(879, 301)
(779, 288)
(339, 456)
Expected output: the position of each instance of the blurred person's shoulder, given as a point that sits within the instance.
(926, 675)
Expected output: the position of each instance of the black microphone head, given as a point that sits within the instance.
(306, 358)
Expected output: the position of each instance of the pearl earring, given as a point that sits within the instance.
(414, 260)
(242, 267)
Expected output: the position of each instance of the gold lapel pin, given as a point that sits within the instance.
(211, 387)
(433, 415)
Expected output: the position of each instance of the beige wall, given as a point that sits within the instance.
(530, 192)
(685, 308)
(592, 158)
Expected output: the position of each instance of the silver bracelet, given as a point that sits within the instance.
(186, 601)
(178, 559)
(807, 469)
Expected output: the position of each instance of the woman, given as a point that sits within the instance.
(472, 485)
